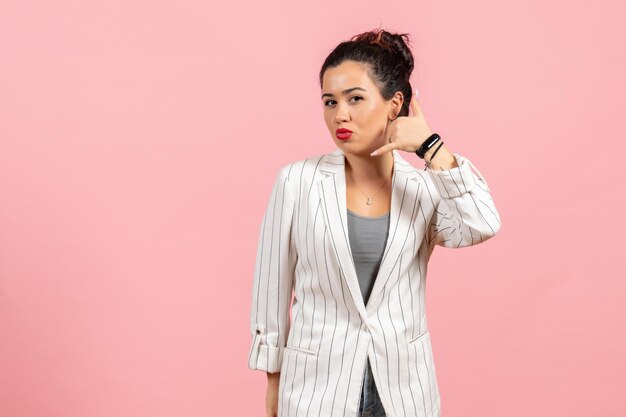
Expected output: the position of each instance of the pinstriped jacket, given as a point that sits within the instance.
(320, 339)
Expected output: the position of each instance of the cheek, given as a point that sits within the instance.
(328, 117)
(371, 117)
(371, 107)
(371, 113)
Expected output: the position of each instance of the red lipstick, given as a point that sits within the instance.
(343, 134)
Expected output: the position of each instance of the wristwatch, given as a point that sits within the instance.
(427, 144)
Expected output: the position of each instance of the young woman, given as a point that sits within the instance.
(349, 234)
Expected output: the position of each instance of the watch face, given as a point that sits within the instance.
(427, 144)
(434, 139)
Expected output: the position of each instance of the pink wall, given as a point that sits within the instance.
(138, 143)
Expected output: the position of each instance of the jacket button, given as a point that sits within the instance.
(258, 331)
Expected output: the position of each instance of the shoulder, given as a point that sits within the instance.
(304, 169)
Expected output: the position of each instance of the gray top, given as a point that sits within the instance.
(368, 237)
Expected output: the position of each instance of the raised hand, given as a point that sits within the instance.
(406, 133)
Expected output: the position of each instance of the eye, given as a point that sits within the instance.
(326, 103)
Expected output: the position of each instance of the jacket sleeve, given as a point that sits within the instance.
(273, 280)
(465, 213)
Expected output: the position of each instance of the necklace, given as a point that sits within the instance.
(369, 199)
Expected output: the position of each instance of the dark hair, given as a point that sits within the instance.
(386, 56)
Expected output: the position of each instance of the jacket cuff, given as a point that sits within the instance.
(455, 181)
(269, 358)
(264, 357)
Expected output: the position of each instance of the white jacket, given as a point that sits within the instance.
(320, 342)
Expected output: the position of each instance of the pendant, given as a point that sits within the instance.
(369, 201)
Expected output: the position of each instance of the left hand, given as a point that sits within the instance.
(406, 133)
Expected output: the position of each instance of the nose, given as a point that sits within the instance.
(341, 115)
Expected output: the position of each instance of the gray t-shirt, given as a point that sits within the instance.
(368, 237)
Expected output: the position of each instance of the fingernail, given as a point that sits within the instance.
(416, 93)
(373, 153)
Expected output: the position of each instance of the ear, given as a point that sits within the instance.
(395, 105)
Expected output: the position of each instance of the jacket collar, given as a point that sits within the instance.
(403, 212)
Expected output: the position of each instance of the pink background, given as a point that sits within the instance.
(138, 145)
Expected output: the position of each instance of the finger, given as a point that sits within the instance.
(383, 149)
(415, 106)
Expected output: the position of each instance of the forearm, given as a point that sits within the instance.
(271, 397)
(465, 214)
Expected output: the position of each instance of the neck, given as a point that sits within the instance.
(369, 168)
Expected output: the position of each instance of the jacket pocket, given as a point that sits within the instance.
(418, 337)
(298, 349)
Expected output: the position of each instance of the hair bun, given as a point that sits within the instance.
(393, 42)
(375, 37)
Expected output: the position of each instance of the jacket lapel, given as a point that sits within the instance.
(332, 190)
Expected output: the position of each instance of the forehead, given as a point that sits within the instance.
(345, 75)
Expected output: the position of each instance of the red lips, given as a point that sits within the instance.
(343, 134)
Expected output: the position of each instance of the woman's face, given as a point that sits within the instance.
(352, 101)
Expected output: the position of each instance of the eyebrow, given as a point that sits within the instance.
(344, 92)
